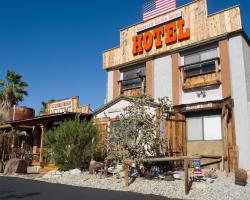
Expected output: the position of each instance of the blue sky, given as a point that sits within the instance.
(57, 44)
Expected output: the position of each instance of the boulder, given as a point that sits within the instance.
(1, 166)
(169, 177)
(95, 167)
(75, 172)
(33, 169)
(92, 166)
(14, 166)
(52, 174)
(241, 177)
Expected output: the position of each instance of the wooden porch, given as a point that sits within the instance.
(30, 146)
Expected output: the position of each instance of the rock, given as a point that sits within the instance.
(222, 188)
(241, 177)
(16, 166)
(119, 168)
(75, 171)
(92, 167)
(53, 174)
(33, 169)
(66, 173)
(1, 166)
(178, 175)
(95, 166)
(169, 177)
(209, 180)
(199, 185)
(211, 174)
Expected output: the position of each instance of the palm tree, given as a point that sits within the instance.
(12, 91)
(44, 105)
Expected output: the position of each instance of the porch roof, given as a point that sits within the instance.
(44, 119)
(116, 100)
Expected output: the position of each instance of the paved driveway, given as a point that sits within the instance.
(15, 188)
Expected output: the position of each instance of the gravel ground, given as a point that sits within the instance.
(222, 188)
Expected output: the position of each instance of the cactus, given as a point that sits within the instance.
(241, 177)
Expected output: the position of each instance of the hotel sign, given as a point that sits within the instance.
(61, 106)
(170, 33)
(158, 21)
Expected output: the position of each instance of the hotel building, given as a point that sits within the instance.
(201, 62)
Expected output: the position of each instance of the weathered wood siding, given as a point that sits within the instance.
(175, 134)
(202, 27)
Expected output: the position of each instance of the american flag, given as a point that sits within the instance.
(157, 7)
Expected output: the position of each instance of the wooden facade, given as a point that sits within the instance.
(202, 27)
(35, 129)
(66, 105)
(175, 133)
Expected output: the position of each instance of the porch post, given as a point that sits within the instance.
(13, 129)
(41, 143)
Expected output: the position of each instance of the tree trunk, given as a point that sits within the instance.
(4, 111)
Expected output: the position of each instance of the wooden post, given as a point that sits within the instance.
(13, 143)
(35, 138)
(186, 176)
(126, 174)
(41, 143)
(3, 156)
(222, 164)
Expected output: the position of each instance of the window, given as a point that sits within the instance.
(204, 128)
(200, 62)
(133, 78)
(194, 128)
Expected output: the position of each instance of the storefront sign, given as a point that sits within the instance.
(61, 106)
(202, 106)
(158, 21)
(163, 35)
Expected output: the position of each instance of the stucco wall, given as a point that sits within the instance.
(211, 94)
(117, 109)
(110, 78)
(239, 93)
(162, 77)
(246, 54)
(211, 148)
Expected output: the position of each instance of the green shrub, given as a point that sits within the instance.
(72, 143)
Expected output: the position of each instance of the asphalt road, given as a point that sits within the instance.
(15, 188)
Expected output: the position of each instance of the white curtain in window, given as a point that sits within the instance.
(208, 54)
(193, 58)
(194, 128)
(212, 128)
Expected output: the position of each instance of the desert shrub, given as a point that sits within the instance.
(72, 143)
(137, 135)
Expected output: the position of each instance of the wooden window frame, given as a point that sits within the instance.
(203, 128)
(217, 67)
(141, 78)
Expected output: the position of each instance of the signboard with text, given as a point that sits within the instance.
(158, 21)
(172, 32)
(61, 106)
